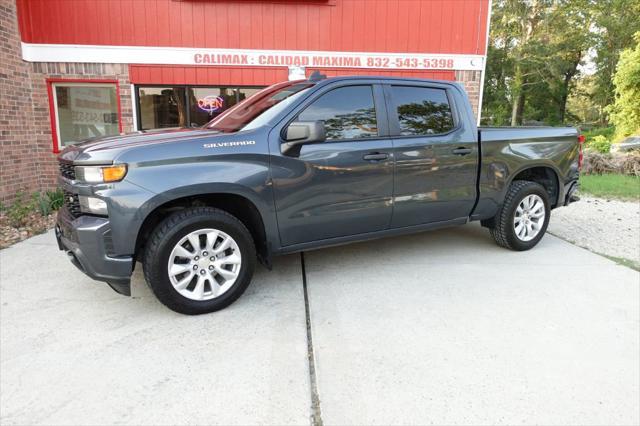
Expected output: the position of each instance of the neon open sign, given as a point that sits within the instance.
(211, 103)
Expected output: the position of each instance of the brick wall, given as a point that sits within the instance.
(18, 156)
(27, 162)
(471, 82)
(40, 71)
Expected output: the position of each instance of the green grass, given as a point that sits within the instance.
(611, 186)
(624, 262)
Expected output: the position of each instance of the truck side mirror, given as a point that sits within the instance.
(302, 132)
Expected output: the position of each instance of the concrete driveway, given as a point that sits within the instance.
(442, 327)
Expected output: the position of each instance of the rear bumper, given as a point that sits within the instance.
(570, 190)
(86, 240)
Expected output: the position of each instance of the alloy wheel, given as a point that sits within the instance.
(204, 264)
(529, 217)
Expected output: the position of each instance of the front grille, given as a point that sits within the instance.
(67, 170)
(72, 203)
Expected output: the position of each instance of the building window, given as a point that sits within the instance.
(206, 103)
(422, 111)
(162, 107)
(82, 110)
(185, 106)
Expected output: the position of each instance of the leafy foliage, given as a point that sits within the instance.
(616, 22)
(22, 207)
(41, 204)
(625, 111)
(19, 210)
(599, 143)
(56, 198)
(536, 52)
(607, 132)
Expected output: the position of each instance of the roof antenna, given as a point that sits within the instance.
(316, 76)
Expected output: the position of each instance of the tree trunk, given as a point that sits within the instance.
(517, 106)
(565, 96)
(565, 86)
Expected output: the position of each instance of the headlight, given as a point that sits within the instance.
(92, 205)
(101, 174)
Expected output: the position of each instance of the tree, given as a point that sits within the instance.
(625, 110)
(516, 57)
(568, 39)
(520, 23)
(616, 21)
(536, 50)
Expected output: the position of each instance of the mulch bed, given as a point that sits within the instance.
(34, 224)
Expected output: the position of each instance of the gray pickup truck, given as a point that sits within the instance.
(297, 166)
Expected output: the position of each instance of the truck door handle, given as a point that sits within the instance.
(462, 151)
(376, 156)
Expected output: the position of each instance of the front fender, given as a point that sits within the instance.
(245, 177)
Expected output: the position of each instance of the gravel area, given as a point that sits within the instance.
(34, 224)
(609, 227)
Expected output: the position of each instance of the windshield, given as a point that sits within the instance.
(259, 108)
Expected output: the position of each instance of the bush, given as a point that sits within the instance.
(607, 132)
(19, 211)
(596, 163)
(599, 143)
(43, 203)
(624, 113)
(56, 198)
(630, 164)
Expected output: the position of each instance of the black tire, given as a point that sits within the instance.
(502, 226)
(169, 232)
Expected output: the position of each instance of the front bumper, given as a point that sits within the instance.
(86, 240)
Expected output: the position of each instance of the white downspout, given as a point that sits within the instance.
(134, 108)
(484, 64)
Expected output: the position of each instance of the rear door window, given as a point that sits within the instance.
(422, 111)
(347, 113)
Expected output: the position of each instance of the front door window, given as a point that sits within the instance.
(347, 113)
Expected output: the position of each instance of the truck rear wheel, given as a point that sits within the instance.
(522, 220)
(199, 260)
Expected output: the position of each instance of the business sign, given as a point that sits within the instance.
(248, 57)
(407, 61)
(211, 103)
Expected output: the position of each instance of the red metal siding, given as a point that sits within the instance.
(254, 76)
(412, 26)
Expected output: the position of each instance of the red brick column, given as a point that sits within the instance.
(27, 161)
(471, 82)
(18, 156)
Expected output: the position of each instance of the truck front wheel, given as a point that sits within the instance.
(522, 220)
(199, 260)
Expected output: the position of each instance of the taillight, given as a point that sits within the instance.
(581, 140)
